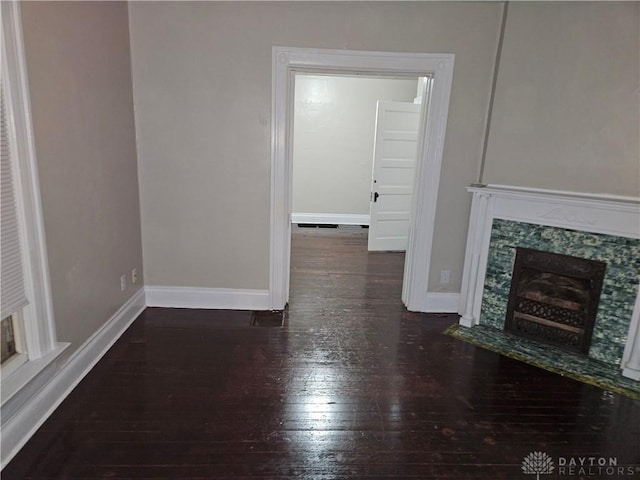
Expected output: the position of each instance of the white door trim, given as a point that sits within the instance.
(286, 61)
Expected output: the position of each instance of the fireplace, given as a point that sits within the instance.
(554, 298)
(506, 220)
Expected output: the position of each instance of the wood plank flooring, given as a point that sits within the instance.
(352, 386)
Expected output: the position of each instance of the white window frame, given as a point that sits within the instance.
(37, 326)
(21, 357)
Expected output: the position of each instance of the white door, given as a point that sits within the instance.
(394, 165)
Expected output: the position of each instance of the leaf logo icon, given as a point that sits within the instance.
(537, 463)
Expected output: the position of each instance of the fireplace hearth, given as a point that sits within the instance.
(554, 298)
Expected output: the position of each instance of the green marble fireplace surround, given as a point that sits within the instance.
(594, 227)
(619, 290)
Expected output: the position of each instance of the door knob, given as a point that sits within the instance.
(375, 196)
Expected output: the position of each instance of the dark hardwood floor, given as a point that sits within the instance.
(352, 386)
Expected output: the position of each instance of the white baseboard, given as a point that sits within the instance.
(442, 302)
(214, 298)
(35, 409)
(331, 218)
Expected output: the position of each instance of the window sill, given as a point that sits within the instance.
(29, 378)
(12, 364)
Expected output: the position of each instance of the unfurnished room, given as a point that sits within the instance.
(320, 240)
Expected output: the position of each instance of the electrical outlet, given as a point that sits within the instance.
(134, 275)
(123, 283)
(445, 276)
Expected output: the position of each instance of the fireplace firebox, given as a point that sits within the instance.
(554, 298)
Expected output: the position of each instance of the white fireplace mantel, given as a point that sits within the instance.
(607, 214)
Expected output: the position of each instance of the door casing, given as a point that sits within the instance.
(286, 61)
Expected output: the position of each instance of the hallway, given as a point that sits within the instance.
(353, 386)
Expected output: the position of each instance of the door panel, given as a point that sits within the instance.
(394, 166)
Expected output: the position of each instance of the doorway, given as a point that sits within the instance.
(286, 62)
(354, 154)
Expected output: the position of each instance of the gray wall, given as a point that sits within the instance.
(202, 82)
(81, 100)
(202, 89)
(566, 112)
(334, 129)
